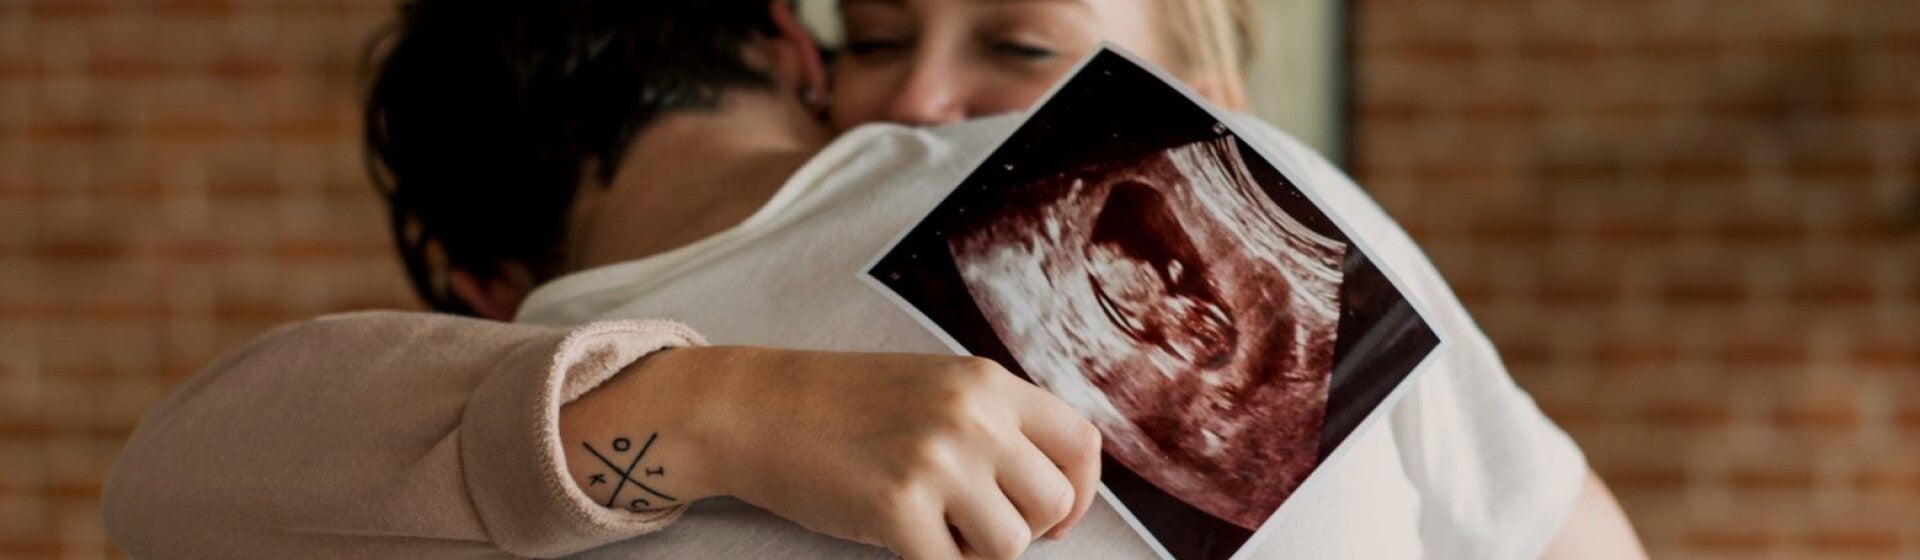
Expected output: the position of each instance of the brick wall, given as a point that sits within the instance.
(1678, 221)
(1672, 215)
(175, 176)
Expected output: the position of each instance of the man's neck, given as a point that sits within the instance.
(692, 174)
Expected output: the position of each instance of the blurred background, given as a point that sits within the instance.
(1689, 225)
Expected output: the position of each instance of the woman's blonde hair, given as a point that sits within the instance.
(1212, 42)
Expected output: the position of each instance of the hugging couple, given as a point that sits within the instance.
(570, 173)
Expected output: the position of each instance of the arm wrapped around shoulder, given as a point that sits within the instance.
(379, 434)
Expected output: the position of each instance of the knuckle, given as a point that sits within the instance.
(897, 501)
(1061, 505)
(1006, 543)
(1086, 439)
(925, 460)
(952, 398)
(978, 370)
(964, 418)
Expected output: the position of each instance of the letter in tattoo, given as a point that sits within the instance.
(620, 446)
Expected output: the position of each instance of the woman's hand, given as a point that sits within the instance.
(885, 449)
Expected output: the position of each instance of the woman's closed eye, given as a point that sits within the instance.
(1023, 50)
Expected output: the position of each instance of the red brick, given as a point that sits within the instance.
(243, 68)
(1621, 231)
(1851, 170)
(1760, 232)
(1668, 48)
(1618, 354)
(42, 431)
(120, 68)
(1832, 291)
(1512, 228)
(1885, 482)
(1909, 418)
(1391, 112)
(1623, 110)
(1886, 542)
(1687, 415)
(1763, 353)
(1775, 480)
(1647, 478)
(1493, 111)
(1886, 353)
(67, 130)
(1831, 417)
(70, 491)
(1719, 291)
(1451, 174)
(1569, 294)
(210, 9)
(29, 549)
(1739, 542)
(1441, 52)
(1564, 50)
(79, 251)
(68, 9)
(1701, 170)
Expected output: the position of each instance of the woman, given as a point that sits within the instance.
(928, 62)
(937, 61)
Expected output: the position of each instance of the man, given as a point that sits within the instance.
(643, 159)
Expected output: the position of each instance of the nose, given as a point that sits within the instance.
(933, 92)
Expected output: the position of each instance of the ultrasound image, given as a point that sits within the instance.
(1131, 253)
(1172, 302)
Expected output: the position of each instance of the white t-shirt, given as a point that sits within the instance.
(1465, 466)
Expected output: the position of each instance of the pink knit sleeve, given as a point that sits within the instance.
(377, 435)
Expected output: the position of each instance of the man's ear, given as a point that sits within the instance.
(495, 297)
(796, 56)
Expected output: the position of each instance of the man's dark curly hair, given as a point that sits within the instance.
(484, 116)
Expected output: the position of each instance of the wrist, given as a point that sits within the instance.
(631, 443)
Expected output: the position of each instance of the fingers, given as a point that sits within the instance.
(989, 524)
(1036, 487)
(920, 533)
(1070, 441)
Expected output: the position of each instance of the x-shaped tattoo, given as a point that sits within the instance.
(621, 445)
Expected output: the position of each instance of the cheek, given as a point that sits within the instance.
(1010, 92)
(859, 96)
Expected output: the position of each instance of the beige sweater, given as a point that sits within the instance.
(437, 438)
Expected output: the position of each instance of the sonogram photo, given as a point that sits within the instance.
(1167, 298)
(1127, 251)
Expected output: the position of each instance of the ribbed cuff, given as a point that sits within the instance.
(511, 451)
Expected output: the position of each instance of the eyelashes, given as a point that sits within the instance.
(1027, 51)
(1012, 50)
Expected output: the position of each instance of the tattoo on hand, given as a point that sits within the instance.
(621, 448)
